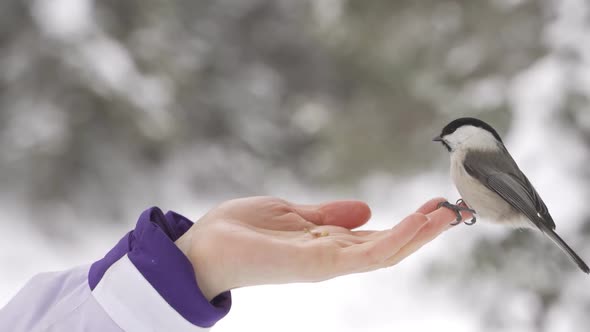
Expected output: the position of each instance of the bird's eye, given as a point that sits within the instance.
(447, 146)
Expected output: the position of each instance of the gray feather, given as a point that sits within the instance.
(500, 173)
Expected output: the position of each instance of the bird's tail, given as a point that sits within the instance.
(561, 243)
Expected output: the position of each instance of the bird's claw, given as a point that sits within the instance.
(471, 222)
(457, 208)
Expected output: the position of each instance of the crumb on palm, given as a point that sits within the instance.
(316, 234)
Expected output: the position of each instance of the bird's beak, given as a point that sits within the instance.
(437, 139)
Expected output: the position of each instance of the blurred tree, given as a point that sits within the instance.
(96, 94)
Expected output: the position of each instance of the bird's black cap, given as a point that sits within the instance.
(455, 124)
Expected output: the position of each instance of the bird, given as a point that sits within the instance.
(491, 184)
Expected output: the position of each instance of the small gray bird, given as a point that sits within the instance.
(492, 185)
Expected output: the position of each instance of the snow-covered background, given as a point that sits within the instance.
(108, 108)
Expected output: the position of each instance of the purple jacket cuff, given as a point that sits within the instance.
(150, 247)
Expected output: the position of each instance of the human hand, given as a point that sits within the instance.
(265, 240)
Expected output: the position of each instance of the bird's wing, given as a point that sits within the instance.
(502, 176)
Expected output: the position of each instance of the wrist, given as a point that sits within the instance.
(198, 255)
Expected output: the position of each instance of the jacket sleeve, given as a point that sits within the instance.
(145, 283)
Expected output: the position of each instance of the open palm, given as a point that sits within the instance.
(265, 240)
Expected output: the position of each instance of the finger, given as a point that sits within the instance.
(444, 213)
(439, 222)
(431, 205)
(347, 214)
(376, 251)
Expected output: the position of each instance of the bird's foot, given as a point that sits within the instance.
(457, 208)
